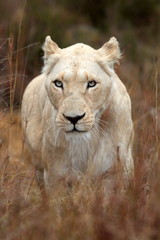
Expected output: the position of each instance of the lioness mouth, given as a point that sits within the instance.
(75, 130)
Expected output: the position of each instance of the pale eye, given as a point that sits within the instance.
(58, 83)
(91, 84)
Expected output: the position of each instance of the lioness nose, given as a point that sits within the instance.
(75, 119)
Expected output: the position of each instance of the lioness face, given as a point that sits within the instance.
(79, 93)
(78, 86)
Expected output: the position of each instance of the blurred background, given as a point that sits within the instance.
(25, 24)
(83, 213)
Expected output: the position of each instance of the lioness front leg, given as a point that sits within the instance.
(56, 168)
(39, 172)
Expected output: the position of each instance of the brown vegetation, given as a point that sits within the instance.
(82, 212)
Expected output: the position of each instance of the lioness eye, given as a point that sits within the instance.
(58, 83)
(91, 84)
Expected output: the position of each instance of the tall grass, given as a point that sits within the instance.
(83, 211)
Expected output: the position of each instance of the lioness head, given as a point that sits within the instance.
(79, 82)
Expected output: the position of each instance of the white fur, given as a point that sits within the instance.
(105, 132)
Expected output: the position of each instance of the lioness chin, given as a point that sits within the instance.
(76, 116)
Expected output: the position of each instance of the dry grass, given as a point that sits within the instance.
(84, 211)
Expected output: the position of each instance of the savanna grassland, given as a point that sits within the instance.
(83, 211)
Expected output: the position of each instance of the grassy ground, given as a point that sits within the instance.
(84, 212)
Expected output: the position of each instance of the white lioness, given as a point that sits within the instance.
(76, 115)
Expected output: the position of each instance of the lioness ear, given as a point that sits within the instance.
(51, 54)
(50, 47)
(110, 51)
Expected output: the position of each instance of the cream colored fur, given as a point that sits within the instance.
(105, 133)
